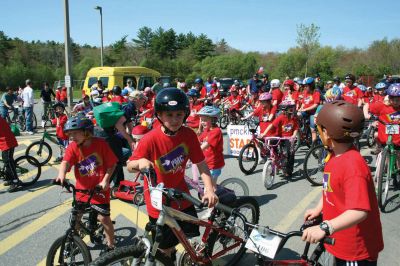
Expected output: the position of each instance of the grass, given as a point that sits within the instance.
(77, 94)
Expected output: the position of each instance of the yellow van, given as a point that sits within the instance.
(142, 77)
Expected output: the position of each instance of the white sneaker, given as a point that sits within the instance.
(43, 123)
(30, 132)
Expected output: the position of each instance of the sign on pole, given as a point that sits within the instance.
(68, 81)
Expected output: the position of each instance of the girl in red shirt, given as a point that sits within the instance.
(290, 94)
(235, 103)
(59, 122)
(193, 120)
(351, 93)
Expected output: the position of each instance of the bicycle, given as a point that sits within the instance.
(27, 168)
(250, 153)
(388, 169)
(50, 114)
(304, 133)
(314, 164)
(276, 161)
(41, 149)
(266, 243)
(70, 249)
(220, 228)
(370, 132)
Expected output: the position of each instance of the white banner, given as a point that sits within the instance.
(238, 136)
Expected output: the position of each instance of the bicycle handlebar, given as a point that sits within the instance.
(71, 188)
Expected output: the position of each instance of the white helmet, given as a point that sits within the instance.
(95, 93)
(275, 83)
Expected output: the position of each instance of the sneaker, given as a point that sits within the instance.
(58, 160)
(13, 187)
(7, 183)
(30, 132)
(43, 124)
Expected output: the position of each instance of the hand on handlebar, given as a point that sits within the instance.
(210, 198)
(104, 185)
(311, 214)
(313, 234)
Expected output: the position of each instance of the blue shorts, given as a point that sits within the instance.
(62, 142)
(311, 117)
(215, 173)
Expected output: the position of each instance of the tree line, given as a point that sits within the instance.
(186, 56)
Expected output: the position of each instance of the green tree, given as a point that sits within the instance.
(308, 40)
(203, 47)
(143, 40)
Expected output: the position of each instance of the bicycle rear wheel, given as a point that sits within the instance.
(248, 158)
(371, 137)
(237, 185)
(314, 164)
(384, 179)
(75, 252)
(268, 174)
(28, 170)
(40, 150)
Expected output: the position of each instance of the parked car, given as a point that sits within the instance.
(226, 84)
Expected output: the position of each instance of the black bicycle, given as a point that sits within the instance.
(28, 170)
(70, 249)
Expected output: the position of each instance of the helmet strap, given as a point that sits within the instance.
(167, 131)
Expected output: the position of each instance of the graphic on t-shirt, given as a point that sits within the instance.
(350, 94)
(393, 117)
(172, 161)
(87, 166)
(327, 186)
(287, 127)
(308, 99)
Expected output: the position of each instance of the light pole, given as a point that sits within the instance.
(67, 79)
(101, 32)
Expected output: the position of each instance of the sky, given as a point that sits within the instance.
(247, 25)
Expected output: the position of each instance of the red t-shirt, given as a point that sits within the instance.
(193, 119)
(215, 94)
(309, 99)
(214, 154)
(7, 138)
(203, 92)
(119, 99)
(235, 102)
(277, 94)
(294, 96)
(386, 114)
(368, 96)
(378, 98)
(285, 126)
(63, 95)
(352, 95)
(105, 99)
(263, 114)
(58, 95)
(90, 166)
(60, 127)
(169, 155)
(348, 186)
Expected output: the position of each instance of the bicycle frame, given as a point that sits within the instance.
(276, 158)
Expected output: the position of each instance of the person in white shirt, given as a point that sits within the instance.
(28, 101)
(129, 86)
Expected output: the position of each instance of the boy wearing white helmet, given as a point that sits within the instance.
(276, 92)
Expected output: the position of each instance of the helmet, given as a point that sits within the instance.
(236, 83)
(275, 83)
(266, 96)
(265, 75)
(214, 85)
(198, 80)
(139, 131)
(289, 82)
(95, 93)
(343, 121)
(117, 90)
(362, 87)
(210, 111)
(172, 99)
(297, 79)
(394, 90)
(193, 93)
(350, 77)
(78, 122)
(124, 92)
(147, 90)
(308, 81)
(380, 86)
(233, 88)
(182, 85)
(333, 94)
(336, 79)
(288, 106)
(58, 104)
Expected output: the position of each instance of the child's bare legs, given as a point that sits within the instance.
(108, 229)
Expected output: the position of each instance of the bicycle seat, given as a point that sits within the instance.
(225, 195)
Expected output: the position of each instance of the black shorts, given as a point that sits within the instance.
(339, 262)
(169, 240)
(103, 209)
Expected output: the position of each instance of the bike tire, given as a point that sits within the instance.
(244, 157)
(237, 185)
(223, 121)
(242, 203)
(313, 165)
(383, 179)
(42, 157)
(21, 122)
(371, 137)
(297, 141)
(308, 137)
(28, 170)
(34, 121)
(268, 174)
(123, 255)
(77, 244)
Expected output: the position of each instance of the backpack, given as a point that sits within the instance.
(107, 114)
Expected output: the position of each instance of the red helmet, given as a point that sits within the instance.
(214, 85)
(289, 83)
(139, 131)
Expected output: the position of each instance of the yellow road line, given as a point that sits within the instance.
(19, 236)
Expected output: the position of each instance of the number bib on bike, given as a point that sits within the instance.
(264, 244)
(392, 129)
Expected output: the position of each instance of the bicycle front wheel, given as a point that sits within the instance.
(383, 178)
(314, 164)
(371, 137)
(268, 174)
(236, 185)
(40, 150)
(75, 252)
(28, 170)
(223, 121)
(248, 158)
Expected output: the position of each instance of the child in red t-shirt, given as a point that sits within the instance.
(59, 122)
(8, 142)
(235, 102)
(348, 204)
(167, 148)
(276, 92)
(193, 120)
(212, 142)
(94, 163)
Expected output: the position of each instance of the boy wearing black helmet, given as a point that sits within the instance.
(348, 203)
(94, 162)
(167, 148)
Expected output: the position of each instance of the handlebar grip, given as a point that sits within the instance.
(195, 201)
(65, 184)
(224, 208)
(329, 241)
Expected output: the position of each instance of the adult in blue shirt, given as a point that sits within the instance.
(254, 85)
(6, 102)
(208, 84)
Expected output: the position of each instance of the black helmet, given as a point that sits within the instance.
(58, 104)
(79, 122)
(117, 90)
(336, 79)
(172, 99)
(350, 77)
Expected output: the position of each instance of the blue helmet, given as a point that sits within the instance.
(78, 122)
(193, 93)
(394, 90)
(362, 87)
(210, 111)
(124, 92)
(380, 86)
(198, 80)
(308, 81)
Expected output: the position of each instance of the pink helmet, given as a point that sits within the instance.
(182, 85)
(147, 90)
(266, 96)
